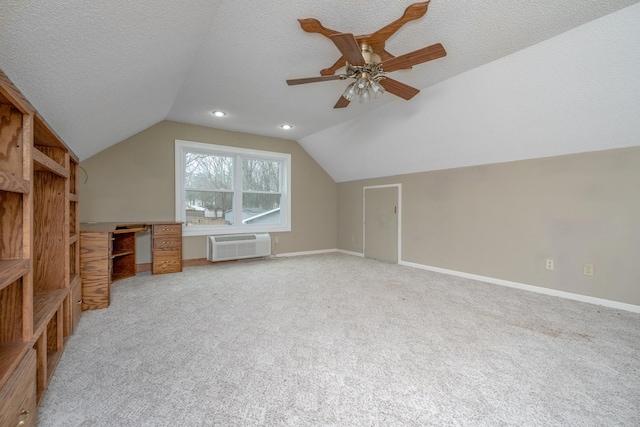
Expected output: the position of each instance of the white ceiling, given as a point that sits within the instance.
(100, 72)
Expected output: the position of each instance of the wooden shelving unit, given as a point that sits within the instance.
(39, 253)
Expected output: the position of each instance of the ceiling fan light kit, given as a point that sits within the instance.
(367, 62)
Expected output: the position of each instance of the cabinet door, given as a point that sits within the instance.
(18, 397)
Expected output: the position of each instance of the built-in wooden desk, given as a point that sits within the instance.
(108, 254)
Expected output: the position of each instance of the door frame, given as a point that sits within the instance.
(364, 207)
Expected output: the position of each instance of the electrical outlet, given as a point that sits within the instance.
(353, 239)
(550, 265)
(276, 240)
(588, 269)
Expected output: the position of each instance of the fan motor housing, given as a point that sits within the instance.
(369, 56)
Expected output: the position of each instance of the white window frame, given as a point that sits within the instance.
(181, 147)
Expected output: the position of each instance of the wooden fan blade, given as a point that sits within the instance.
(412, 12)
(311, 25)
(293, 82)
(413, 58)
(335, 67)
(399, 89)
(349, 47)
(342, 102)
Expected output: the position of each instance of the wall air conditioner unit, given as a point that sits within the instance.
(238, 246)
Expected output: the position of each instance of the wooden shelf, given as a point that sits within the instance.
(42, 162)
(10, 356)
(45, 305)
(11, 270)
(45, 136)
(132, 229)
(10, 183)
(119, 254)
(39, 250)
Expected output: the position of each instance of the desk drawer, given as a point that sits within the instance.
(167, 242)
(165, 261)
(18, 397)
(167, 230)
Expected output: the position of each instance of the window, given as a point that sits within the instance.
(222, 189)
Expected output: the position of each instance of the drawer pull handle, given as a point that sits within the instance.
(79, 302)
(25, 414)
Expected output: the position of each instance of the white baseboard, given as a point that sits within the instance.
(342, 251)
(531, 288)
(290, 254)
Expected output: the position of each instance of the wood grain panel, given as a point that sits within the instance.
(166, 254)
(57, 154)
(167, 243)
(76, 304)
(11, 94)
(12, 270)
(11, 141)
(18, 397)
(41, 365)
(10, 356)
(11, 312)
(124, 243)
(10, 225)
(95, 256)
(123, 266)
(167, 229)
(45, 305)
(49, 225)
(167, 262)
(43, 135)
(73, 177)
(73, 218)
(12, 183)
(72, 260)
(44, 163)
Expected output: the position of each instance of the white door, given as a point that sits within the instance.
(381, 207)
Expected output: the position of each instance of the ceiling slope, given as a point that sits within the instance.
(101, 71)
(577, 92)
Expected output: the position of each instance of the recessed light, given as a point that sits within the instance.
(286, 127)
(218, 113)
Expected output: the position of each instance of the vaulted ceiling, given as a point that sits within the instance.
(100, 72)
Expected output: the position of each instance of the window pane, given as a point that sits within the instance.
(209, 208)
(260, 175)
(208, 172)
(260, 208)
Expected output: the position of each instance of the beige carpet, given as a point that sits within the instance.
(337, 340)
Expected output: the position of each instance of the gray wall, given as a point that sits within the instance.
(134, 180)
(504, 220)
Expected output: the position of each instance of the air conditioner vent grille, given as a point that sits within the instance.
(234, 238)
(238, 246)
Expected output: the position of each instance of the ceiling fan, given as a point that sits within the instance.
(367, 61)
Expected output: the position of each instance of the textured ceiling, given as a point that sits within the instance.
(100, 72)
